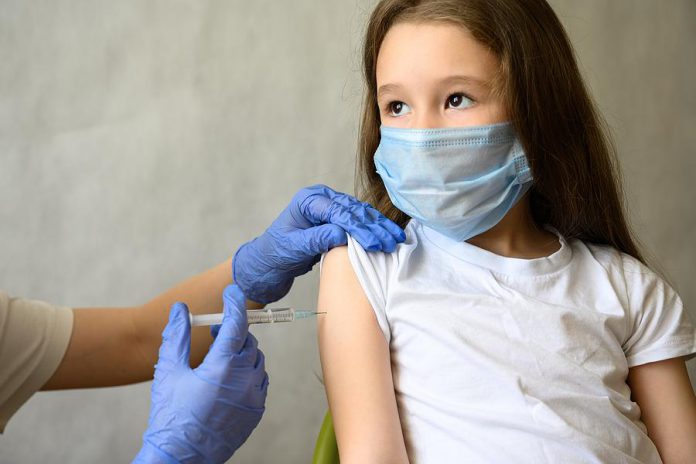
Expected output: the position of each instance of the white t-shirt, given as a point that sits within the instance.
(507, 360)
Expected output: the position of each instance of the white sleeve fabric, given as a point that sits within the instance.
(33, 339)
(659, 326)
(371, 269)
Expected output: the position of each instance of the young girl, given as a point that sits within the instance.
(518, 322)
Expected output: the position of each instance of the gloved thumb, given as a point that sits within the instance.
(176, 338)
(234, 329)
(320, 239)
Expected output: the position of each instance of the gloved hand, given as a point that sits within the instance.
(205, 414)
(316, 220)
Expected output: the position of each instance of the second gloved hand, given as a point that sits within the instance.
(315, 221)
(205, 414)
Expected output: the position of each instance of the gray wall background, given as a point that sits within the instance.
(142, 141)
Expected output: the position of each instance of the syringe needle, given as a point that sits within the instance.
(299, 314)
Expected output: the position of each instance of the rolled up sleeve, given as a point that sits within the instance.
(34, 336)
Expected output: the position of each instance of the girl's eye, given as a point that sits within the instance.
(459, 101)
(397, 108)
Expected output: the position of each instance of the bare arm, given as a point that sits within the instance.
(357, 370)
(668, 407)
(117, 346)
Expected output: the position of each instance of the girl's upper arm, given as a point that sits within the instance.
(668, 407)
(357, 369)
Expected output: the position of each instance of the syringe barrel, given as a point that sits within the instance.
(205, 319)
(263, 316)
(254, 316)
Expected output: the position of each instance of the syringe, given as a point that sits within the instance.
(256, 316)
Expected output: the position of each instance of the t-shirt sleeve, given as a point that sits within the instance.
(33, 338)
(371, 269)
(659, 326)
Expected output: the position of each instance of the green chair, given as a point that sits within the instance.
(326, 449)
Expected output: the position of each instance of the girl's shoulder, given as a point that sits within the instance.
(614, 260)
(657, 326)
(640, 282)
(374, 270)
(379, 265)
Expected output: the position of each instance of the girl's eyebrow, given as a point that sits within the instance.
(465, 80)
(387, 88)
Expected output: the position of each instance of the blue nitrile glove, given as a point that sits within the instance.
(203, 415)
(316, 220)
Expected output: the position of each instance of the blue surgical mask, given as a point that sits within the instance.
(458, 181)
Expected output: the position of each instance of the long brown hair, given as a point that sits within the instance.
(577, 185)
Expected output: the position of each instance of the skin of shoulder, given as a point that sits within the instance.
(356, 366)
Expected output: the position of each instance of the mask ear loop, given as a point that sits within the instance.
(524, 172)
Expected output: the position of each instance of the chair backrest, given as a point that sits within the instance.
(326, 449)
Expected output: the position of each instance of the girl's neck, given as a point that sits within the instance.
(517, 235)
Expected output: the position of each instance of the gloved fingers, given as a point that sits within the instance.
(392, 234)
(320, 204)
(320, 239)
(247, 356)
(358, 222)
(339, 197)
(262, 386)
(176, 338)
(250, 360)
(259, 381)
(390, 226)
(370, 215)
(236, 371)
(248, 380)
(214, 329)
(234, 329)
(387, 242)
(313, 202)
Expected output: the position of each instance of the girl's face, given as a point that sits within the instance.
(433, 75)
